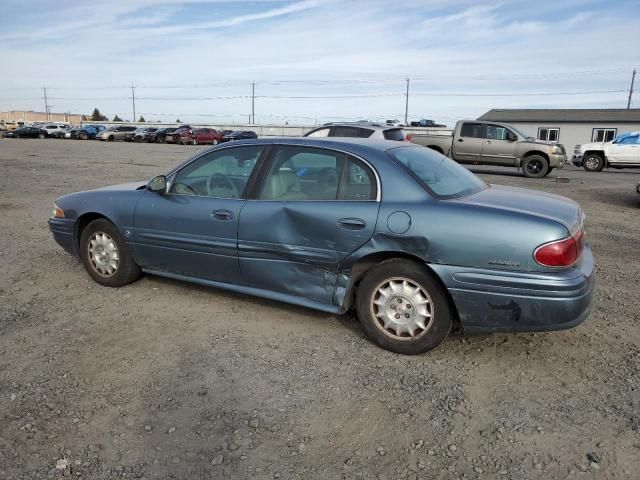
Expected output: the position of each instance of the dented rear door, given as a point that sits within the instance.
(290, 240)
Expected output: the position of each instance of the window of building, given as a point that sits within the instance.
(603, 134)
(549, 134)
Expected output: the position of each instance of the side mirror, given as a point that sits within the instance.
(512, 137)
(157, 184)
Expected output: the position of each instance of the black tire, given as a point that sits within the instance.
(126, 270)
(84, 136)
(396, 269)
(535, 166)
(41, 136)
(110, 138)
(137, 139)
(593, 162)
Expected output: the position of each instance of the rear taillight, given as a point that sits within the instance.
(561, 253)
(408, 138)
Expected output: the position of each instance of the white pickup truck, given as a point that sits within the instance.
(621, 152)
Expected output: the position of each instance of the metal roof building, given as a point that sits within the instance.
(569, 126)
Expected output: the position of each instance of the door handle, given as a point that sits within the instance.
(352, 223)
(461, 139)
(222, 214)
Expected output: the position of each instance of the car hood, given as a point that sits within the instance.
(589, 146)
(125, 186)
(529, 202)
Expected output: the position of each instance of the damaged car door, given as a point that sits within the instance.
(313, 207)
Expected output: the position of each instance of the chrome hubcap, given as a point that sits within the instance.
(402, 308)
(103, 254)
(592, 163)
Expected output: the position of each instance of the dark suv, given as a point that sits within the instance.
(358, 130)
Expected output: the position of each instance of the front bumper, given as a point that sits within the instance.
(577, 159)
(504, 301)
(557, 160)
(63, 231)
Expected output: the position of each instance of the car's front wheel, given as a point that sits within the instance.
(535, 166)
(593, 162)
(403, 308)
(105, 255)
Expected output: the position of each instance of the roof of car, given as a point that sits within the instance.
(369, 125)
(350, 144)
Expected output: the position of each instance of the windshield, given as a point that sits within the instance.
(520, 132)
(441, 176)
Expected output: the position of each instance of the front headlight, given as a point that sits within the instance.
(57, 211)
(578, 148)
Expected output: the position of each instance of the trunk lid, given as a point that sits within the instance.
(530, 202)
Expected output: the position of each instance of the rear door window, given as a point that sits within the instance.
(473, 130)
(347, 131)
(321, 132)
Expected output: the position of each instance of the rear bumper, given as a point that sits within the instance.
(503, 301)
(63, 231)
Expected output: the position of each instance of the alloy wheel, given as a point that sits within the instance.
(103, 254)
(402, 308)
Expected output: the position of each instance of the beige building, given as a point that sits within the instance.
(15, 117)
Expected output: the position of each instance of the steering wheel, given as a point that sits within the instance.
(218, 179)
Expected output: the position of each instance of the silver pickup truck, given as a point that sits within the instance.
(490, 143)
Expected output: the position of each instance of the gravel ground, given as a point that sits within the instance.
(163, 379)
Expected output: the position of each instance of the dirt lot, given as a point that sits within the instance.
(163, 379)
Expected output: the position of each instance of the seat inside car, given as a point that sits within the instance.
(284, 185)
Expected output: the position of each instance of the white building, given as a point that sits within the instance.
(569, 126)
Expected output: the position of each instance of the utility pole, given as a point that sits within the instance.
(133, 100)
(253, 103)
(406, 105)
(46, 104)
(633, 78)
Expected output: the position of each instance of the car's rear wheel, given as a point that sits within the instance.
(105, 255)
(41, 136)
(84, 136)
(535, 166)
(110, 139)
(593, 162)
(403, 308)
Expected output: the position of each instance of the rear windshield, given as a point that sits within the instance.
(441, 176)
(394, 134)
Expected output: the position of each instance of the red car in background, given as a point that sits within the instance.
(199, 136)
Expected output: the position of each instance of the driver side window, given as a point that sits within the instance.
(219, 174)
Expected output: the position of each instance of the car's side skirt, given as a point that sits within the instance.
(258, 292)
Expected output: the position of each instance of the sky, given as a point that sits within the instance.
(314, 61)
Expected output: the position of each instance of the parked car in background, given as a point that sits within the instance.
(394, 123)
(115, 133)
(25, 132)
(358, 130)
(240, 135)
(61, 133)
(159, 135)
(140, 134)
(226, 132)
(490, 143)
(53, 130)
(86, 132)
(427, 123)
(318, 232)
(621, 152)
(171, 137)
(200, 136)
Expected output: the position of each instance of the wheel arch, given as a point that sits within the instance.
(82, 222)
(362, 265)
(435, 148)
(595, 152)
(535, 152)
